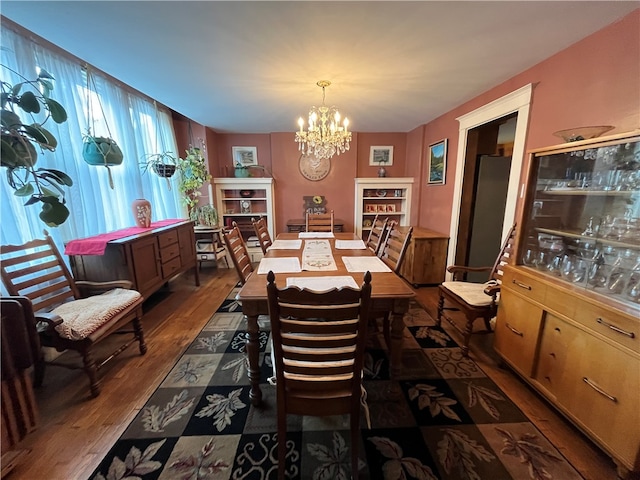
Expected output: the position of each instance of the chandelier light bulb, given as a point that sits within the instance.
(326, 135)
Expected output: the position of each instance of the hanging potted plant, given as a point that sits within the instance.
(21, 142)
(99, 150)
(193, 175)
(164, 164)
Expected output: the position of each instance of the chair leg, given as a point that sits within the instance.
(137, 327)
(91, 370)
(355, 443)
(440, 309)
(467, 336)
(38, 372)
(385, 330)
(282, 444)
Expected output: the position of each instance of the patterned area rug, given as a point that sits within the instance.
(444, 419)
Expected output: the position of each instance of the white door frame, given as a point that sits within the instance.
(516, 101)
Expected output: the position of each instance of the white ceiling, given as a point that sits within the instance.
(252, 67)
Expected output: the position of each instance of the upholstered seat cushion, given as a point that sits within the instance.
(83, 317)
(471, 293)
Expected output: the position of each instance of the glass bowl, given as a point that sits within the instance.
(582, 133)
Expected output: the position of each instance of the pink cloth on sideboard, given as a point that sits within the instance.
(97, 244)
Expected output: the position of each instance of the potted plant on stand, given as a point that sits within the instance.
(21, 142)
(193, 175)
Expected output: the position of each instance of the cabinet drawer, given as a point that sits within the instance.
(517, 331)
(167, 253)
(169, 268)
(614, 325)
(168, 238)
(524, 285)
(600, 389)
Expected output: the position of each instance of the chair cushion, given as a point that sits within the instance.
(83, 317)
(472, 293)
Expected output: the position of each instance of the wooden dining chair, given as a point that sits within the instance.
(262, 232)
(319, 341)
(69, 314)
(238, 251)
(392, 251)
(394, 246)
(474, 300)
(319, 222)
(376, 234)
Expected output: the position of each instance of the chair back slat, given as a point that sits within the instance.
(319, 222)
(37, 271)
(395, 246)
(262, 232)
(238, 252)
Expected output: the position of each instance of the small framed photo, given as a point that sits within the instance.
(244, 156)
(382, 208)
(391, 208)
(437, 163)
(370, 208)
(381, 156)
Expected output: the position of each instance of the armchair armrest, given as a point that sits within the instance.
(88, 288)
(492, 289)
(460, 271)
(47, 321)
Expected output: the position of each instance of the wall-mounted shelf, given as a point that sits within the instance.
(387, 197)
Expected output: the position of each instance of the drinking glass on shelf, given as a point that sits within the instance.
(574, 268)
(529, 257)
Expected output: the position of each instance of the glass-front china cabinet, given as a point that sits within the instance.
(583, 221)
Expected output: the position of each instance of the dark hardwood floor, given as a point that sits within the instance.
(75, 431)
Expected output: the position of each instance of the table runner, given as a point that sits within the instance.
(97, 244)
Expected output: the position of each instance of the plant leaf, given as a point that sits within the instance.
(57, 111)
(29, 102)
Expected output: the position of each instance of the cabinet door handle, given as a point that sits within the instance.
(599, 390)
(522, 285)
(517, 332)
(616, 329)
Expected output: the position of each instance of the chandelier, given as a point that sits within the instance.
(325, 135)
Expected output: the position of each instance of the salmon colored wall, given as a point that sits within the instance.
(596, 81)
(593, 82)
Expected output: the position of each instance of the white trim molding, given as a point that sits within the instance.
(517, 101)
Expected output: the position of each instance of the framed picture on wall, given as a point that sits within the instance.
(381, 156)
(244, 156)
(437, 166)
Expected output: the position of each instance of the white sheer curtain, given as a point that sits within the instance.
(133, 122)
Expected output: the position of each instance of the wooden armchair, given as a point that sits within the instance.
(475, 300)
(319, 341)
(319, 222)
(69, 314)
(262, 232)
(238, 251)
(376, 234)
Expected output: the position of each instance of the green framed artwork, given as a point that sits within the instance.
(437, 163)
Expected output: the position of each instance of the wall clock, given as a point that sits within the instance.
(313, 168)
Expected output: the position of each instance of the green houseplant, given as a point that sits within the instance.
(163, 164)
(21, 143)
(193, 175)
(205, 215)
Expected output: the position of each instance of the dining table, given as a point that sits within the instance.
(293, 262)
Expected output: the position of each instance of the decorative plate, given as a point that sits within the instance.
(313, 168)
(381, 193)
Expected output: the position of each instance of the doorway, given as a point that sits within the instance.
(514, 107)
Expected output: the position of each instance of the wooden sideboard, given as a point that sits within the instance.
(425, 260)
(149, 260)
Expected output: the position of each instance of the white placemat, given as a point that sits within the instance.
(279, 265)
(316, 235)
(322, 284)
(363, 264)
(286, 245)
(350, 245)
